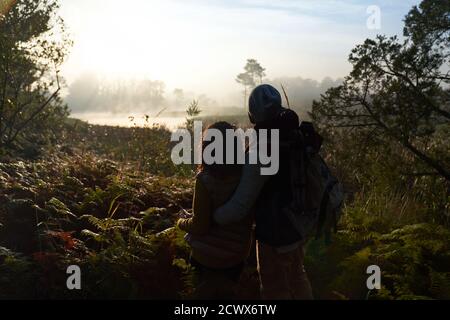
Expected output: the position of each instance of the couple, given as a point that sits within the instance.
(230, 199)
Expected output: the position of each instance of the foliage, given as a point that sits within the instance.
(146, 147)
(413, 256)
(397, 91)
(33, 44)
(253, 74)
(83, 210)
(429, 24)
(192, 112)
(386, 136)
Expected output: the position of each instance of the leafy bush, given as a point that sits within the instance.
(414, 257)
(83, 210)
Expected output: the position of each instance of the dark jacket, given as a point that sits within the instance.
(266, 194)
(216, 246)
(272, 226)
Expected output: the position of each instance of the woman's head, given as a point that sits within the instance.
(220, 168)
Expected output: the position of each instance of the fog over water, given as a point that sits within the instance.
(113, 102)
(140, 56)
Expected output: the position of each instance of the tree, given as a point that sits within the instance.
(253, 74)
(33, 44)
(429, 24)
(192, 112)
(398, 91)
(255, 70)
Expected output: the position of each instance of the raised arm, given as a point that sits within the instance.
(244, 198)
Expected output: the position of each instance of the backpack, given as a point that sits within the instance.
(317, 195)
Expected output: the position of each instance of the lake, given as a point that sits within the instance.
(128, 119)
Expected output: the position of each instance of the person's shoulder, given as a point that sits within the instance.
(203, 182)
(207, 178)
(202, 176)
(289, 119)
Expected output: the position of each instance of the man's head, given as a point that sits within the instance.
(264, 104)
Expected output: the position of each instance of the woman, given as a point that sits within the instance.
(218, 252)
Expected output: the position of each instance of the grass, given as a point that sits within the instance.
(106, 199)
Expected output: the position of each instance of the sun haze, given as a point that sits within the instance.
(202, 45)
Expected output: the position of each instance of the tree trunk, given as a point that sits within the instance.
(245, 97)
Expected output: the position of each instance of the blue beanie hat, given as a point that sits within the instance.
(264, 104)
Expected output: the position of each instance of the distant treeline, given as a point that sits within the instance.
(90, 93)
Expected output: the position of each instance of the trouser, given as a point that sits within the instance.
(282, 275)
(216, 284)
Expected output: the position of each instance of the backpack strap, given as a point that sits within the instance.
(323, 209)
(296, 147)
(298, 163)
(312, 138)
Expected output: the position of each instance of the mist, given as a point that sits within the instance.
(93, 94)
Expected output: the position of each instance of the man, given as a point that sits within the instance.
(279, 247)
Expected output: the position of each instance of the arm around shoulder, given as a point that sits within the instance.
(239, 206)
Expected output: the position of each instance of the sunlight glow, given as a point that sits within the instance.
(144, 39)
(201, 45)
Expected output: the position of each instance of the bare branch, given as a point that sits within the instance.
(36, 112)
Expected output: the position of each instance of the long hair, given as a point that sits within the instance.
(218, 169)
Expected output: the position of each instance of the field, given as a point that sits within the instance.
(108, 204)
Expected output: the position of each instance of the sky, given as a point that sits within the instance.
(202, 45)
